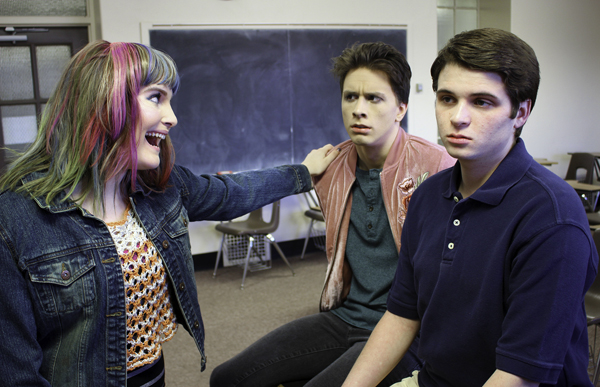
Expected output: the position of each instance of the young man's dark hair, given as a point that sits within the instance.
(497, 51)
(376, 56)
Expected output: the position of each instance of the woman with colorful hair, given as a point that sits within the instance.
(96, 270)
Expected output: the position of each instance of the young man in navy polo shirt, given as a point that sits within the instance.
(496, 253)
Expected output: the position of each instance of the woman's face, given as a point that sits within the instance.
(156, 120)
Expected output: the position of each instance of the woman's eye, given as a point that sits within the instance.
(154, 98)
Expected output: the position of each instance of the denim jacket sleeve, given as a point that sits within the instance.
(212, 197)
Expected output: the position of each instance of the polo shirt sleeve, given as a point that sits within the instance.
(543, 300)
(402, 298)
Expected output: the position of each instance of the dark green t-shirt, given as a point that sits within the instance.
(371, 253)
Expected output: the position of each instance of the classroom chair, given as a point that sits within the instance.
(592, 309)
(315, 214)
(250, 228)
(585, 161)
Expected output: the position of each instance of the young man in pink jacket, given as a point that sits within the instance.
(364, 196)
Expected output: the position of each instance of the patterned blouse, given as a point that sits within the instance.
(150, 317)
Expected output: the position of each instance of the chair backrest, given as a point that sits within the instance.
(255, 219)
(578, 161)
(312, 200)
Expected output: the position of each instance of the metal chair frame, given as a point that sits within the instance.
(592, 308)
(250, 228)
(314, 213)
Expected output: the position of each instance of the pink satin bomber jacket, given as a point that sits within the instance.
(410, 161)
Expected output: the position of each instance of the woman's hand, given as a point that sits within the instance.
(318, 160)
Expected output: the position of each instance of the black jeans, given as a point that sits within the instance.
(320, 348)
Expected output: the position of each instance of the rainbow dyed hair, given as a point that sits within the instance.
(87, 132)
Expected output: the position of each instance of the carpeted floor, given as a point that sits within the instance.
(234, 318)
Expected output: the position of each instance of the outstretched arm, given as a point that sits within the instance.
(318, 160)
(388, 343)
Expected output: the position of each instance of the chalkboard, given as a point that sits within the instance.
(256, 98)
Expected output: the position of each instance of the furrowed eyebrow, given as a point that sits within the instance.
(375, 94)
(368, 94)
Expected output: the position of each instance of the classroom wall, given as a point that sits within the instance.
(563, 33)
(123, 20)
(494, 13)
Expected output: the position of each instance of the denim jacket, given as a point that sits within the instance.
(62, 304)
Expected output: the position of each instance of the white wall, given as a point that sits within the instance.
(563, 34)
(494, 13)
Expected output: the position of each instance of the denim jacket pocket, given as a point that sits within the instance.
(178, 226)
(65, 283)
(177, 229)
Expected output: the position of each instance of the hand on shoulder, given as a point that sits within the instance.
(318, 160)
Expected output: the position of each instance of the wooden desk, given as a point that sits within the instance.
(588, 192)
(545, 162)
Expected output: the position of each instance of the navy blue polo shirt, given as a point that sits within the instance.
(497, 279)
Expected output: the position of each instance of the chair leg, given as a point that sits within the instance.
(272, 242)
(595, 378)
(596, 369)
(595, 358)
(258, 254)
(250, 243)
(219, 256)
(307, 238)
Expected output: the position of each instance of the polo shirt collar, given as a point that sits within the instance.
(509, 172)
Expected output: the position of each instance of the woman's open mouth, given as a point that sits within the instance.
(154, 138)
